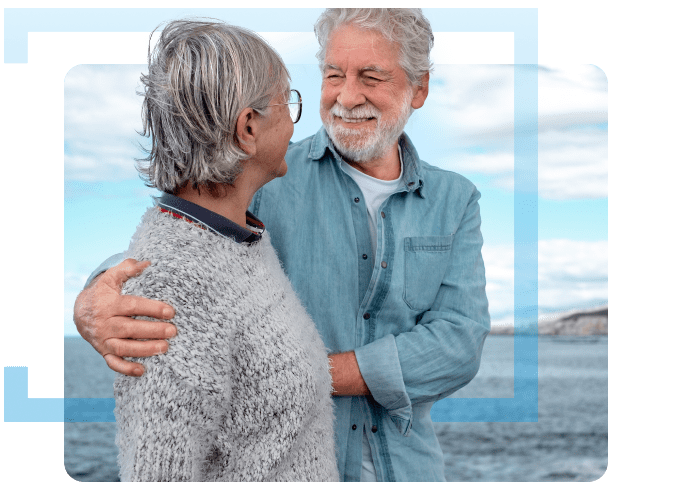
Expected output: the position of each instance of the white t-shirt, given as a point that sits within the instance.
(374, 191)
(367, 467)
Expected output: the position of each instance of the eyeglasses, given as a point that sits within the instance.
(295, 105)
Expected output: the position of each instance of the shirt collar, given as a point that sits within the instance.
(212, 221)
(412, 177)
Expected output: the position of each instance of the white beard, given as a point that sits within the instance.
(365, 145)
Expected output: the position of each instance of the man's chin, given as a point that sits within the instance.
(350, 149)
(356, 153)
(354, 135)
(350, 138)
(353, 144)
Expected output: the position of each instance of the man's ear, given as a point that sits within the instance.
(245, 131)
(420, 92)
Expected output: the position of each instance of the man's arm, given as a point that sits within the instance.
(103, 318)
(346, 376)
(442, 352)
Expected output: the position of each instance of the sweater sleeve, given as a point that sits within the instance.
(165, 428)
(171, 420)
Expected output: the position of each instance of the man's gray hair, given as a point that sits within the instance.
(408, 27)
(202, 74)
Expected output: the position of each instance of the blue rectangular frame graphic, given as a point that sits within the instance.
(523, 22)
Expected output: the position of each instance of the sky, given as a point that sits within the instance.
(466, 126)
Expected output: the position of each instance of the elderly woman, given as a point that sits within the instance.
(243, 392)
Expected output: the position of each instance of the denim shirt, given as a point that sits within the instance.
(415, 314)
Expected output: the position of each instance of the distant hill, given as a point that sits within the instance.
(590, 322)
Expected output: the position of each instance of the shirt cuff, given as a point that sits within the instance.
(379, 365)
(106, 264)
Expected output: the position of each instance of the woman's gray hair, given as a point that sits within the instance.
(202, 74)
(408, 27)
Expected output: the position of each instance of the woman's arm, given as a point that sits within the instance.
(168, 419)
(164, 427)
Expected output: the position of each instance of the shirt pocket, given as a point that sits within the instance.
(426, 261)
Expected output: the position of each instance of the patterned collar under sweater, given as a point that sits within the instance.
(243, 392)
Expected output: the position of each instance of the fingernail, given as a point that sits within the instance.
(168, 312)
(170, 332)
(137, 372)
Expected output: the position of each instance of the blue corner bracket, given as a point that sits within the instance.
(20, 408)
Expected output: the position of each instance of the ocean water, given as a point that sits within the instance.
(568, 443)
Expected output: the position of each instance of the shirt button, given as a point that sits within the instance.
(366, 316)
(382, 213)
(374, 429)
(354, 427)
(356, 199)
(383, 264)
(411, 183)
(365, 256)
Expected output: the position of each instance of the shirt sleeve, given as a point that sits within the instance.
(442, 352)
(381, 370)
(104, 266)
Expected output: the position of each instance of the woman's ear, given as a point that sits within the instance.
(245, 131)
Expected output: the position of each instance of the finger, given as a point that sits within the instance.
(128, 268)
(138, 306)
(124, 367)
(122, 327)
(134, 348)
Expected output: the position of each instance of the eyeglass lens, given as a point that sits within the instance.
(295, 104)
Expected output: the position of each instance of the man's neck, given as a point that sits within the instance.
(386, 168)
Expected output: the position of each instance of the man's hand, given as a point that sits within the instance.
(346, 376)
(102, 317)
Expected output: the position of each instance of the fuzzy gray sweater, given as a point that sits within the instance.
(243, 393)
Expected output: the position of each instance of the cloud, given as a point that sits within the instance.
(578, 89)
(572, 275)
(101, 116)
(471, 108)
(74, 281)
(573, 163)
(288, 42)
(498, 260)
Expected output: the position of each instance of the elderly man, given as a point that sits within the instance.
(383, 249)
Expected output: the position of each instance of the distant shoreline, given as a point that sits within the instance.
(593, 322)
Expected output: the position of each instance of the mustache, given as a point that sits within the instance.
(360, 112)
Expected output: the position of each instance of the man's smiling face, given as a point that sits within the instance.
(366, 98)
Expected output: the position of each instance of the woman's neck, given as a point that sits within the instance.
(235, 198)
(231, 204)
